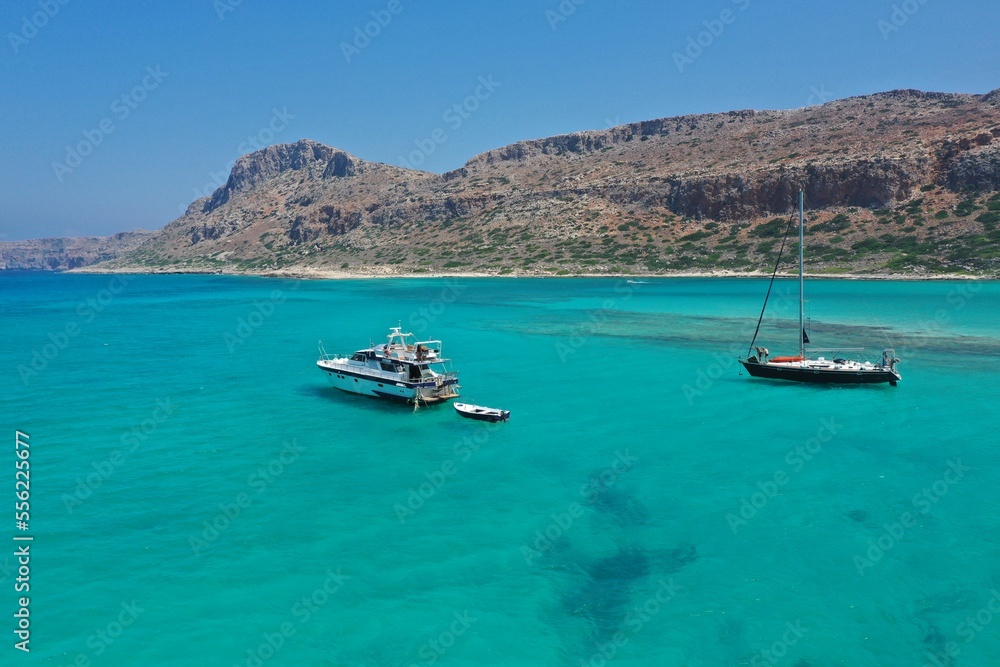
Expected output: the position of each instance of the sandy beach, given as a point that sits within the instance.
(369, 272)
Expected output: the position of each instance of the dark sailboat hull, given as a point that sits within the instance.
(819, 376)
(814, 371)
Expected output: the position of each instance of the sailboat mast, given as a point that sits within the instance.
(802, 328)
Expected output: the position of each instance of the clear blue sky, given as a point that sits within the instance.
(162, 96)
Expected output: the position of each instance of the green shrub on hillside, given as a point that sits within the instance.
(771, 228)
(837, 223)
(989, 219)
(695, 236)
(965, 208)
(868, 245)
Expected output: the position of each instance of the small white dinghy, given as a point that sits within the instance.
(481, 413)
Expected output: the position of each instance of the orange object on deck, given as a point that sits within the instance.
(781, 360)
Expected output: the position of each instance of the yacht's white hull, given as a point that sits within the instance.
(387, 387)
(401, 369)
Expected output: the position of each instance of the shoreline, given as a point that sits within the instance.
(303, 273)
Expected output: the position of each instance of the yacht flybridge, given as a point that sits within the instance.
(401, 369)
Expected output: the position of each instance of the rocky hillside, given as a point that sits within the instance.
(59, 254)
(904, 181)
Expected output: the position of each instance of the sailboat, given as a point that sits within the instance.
(800, 368)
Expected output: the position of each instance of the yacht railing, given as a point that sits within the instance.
(342, 362)
(336, 362)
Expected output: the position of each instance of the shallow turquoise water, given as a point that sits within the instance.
(189, 462)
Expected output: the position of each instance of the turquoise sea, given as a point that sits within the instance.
(199, 496)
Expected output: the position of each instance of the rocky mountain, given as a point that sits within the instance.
(902, 182)
(63, 254)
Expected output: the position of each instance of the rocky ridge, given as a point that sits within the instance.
(903, 181)
(64, 254)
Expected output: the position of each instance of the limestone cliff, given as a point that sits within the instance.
(899, 181)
